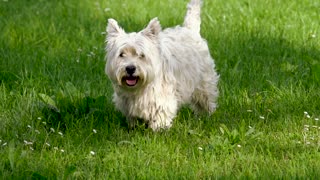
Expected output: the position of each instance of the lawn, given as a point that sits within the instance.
(57, 120)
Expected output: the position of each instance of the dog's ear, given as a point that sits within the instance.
(113, 28)
(153, 28)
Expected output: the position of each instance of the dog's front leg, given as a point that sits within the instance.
(157, 124)
(162, 119)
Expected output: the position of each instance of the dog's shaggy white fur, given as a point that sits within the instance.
(154, 72)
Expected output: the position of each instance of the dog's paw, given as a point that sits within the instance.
(158, 125)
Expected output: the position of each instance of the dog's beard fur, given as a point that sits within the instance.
(154, 72)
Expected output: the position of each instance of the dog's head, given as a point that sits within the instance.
(132, 58)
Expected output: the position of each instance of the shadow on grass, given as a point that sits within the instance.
(72, 108)
(248, 60)
(8, 79)
(257, 68)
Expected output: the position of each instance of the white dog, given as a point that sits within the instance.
(154, 72)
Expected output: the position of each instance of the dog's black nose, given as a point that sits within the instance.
(130, 69)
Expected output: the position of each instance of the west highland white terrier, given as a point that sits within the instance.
(154, 72)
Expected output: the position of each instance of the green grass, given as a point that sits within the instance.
(54, 93)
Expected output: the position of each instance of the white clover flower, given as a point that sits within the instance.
(316, 119)
(239, 146)
(305, 112)
(51, 129)
(62, 150)
(94, 131)
(261, 117)
(4, 144)
(27, 143)
(308, 143)
(48, 144)
(312, 137)
(313, 36)
(200, 148)
(308, 116)
(55, 148)
(250, 127)
(92, 153)
(39, 118)
(60, 133)
(29, 126)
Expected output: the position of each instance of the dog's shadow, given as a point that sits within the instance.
(70, 112)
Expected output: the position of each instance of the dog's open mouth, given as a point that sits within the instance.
(131, 80)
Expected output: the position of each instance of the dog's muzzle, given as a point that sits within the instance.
(130, 79)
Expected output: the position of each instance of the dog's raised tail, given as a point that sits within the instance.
(192, 19)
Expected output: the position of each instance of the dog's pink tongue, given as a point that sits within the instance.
(131, 82)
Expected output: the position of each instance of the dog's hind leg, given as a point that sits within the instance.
(205, 96)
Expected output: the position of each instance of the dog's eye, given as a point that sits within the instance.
(142, 56)
(121, 54)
